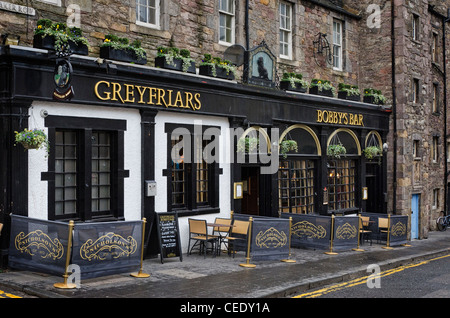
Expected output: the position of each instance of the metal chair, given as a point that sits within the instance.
(222, 231)
(198, 232)
(238, 233)
(364, 223)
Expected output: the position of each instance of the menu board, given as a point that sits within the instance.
(168, 235)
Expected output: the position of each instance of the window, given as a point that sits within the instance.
(415, 90)
(296, 186)
(435, 105)
(87, 168)
(337, 45)
(226, 21)
(434, 48)
(416, 154)
(415, 27)
(435, 149)
(285, 30)
(435, 199)
(341, 184)
(193, 181)
(147, 12)
(55, 2)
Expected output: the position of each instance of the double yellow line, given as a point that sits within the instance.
(7, 295)
(363, 280)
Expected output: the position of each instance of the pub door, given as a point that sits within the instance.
(374, 202)
(257, 192)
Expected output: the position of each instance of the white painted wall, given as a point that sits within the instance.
(37, 161)
(161, 163)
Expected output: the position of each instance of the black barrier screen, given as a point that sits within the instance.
(270, 239)
(310, 231)
(107, 248)
(398, 230)
(345, 232)
(38, 245)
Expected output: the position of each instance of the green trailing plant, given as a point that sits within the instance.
(351, 90)
(336, 150)
(322, 85)
(61, 33)
(215, 62)
(288, 145)
(247, 144)
(372, 152)
(294, 79)
(379, 98)
(120, 43)
(32, 139)
(171, 53)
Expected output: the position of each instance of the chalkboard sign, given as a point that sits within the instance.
(168, 235)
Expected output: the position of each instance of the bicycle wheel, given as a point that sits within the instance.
(441, 223)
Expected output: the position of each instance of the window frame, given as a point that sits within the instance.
(352, 199)
(157, 24)
(191, 206)
(232, 15)
(286, 31)
(84, 126)
(415, 34)
(338, 43)
(435, 149)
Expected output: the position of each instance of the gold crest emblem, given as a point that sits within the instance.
(108, 244)
(309, 230)
(398, 229)
(346, 231)
(271, 238)
(37, 242)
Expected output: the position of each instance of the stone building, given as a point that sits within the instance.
(341, 41)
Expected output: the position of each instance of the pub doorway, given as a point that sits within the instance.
(256, 199)
(374, 202)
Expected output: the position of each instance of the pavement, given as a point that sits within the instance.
(222, 277)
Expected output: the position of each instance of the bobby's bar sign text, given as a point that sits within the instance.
(340, 118)
(130, 93)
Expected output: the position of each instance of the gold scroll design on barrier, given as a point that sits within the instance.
(271, 238)
(108, 244)
(346, 231)
(398, 229)
(38, 242)
(309, 230)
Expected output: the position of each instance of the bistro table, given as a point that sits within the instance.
(221, 237)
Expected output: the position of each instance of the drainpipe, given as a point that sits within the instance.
(444, 55)
(394, 109)
(247, 36)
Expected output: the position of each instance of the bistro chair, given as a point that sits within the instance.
(383, 224)
(222, 231)
(363, 228)
(238, 235)
(198, 232)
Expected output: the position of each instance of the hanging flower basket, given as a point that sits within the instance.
(336, 151)
(247, 144)
(32, 139)
(288, 145)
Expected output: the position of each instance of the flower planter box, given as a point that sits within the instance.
(287, 86)
(220, 72)
(48, 43)
(344, 95)
(371, 100)
(160, 61)
(315, 91)
(129, 56)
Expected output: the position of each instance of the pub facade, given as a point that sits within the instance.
(129, 140)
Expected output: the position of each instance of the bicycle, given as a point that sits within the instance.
(443, 222)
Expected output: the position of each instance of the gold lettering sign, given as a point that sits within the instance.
(271, 238)
(108, 244)
(37, 242)
(309, 230)
(339, 118)
(130, 93)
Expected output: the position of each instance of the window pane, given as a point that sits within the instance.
(101, 171)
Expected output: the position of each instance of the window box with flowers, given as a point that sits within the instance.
(217, 67)
(32, 139)
(50, 35)
(321, 87)
(349, 92)
(173, 58)
(373, 96)
(293, 82)
(119, 49)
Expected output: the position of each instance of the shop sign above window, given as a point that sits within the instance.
(260, 66)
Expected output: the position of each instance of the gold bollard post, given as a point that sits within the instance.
(359, 235)
(289, 260)
(66, 285)
(140, 274)
(331, 238)
(249, 238)
(387, 247)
